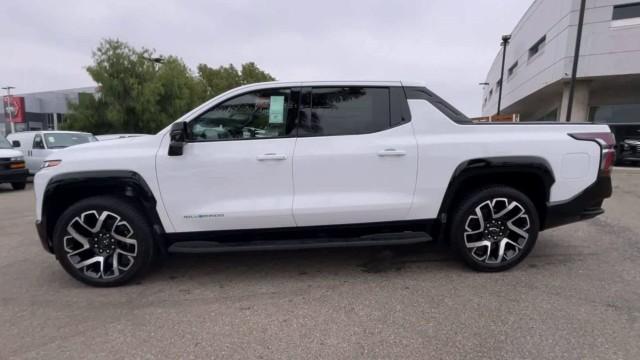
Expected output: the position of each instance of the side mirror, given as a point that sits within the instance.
(15, 143)
(177, 135)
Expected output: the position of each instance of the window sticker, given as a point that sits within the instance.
(276, 110)
(51, 139)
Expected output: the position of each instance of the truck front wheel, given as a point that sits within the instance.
(494, 228)
(103, 241)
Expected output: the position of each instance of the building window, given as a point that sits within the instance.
(512, 69)
(550, 116)
(615, 114)
(537, 47)
(626, 11)
(50, 122)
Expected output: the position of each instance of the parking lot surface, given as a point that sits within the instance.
(577, 296)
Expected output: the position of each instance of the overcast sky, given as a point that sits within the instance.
(450, 45)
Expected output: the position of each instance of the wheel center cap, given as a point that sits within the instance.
(495, 230)
(103, 244)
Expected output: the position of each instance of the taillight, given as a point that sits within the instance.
(607, 142)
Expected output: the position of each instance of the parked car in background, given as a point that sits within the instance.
(117, 136)
(37, 145)
(628, 143)
(319, 164)
(12, 166)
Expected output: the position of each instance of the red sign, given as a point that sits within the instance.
(14, 108)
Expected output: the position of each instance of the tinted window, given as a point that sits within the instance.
(612, 114)
(266, 113)
(37, 142)
(344, 111)
(512, 69)
(537, 47)
(626, 11)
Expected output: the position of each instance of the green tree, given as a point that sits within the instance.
(217, 81)
(139, 95)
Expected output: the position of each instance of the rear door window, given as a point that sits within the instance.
(344, 111)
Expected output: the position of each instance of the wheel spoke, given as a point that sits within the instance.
(491, 228)
(100, 245)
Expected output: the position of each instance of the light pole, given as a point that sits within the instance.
(8, 88)
(576, 56)
(505, 41)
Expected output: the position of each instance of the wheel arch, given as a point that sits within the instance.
(66, 189)
(531, 175)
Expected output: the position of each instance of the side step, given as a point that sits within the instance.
(198, 247)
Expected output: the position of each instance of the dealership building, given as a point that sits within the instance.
(41, 110)
(539, 59)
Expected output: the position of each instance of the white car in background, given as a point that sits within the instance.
(37, 145)
(12, 168)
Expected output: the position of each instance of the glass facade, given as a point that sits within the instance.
(615, 114)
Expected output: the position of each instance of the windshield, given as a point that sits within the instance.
(63, 140)
(4, 143)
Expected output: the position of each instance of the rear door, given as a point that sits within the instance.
(355, 159)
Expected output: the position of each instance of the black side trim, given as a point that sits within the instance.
(586, 205)
(399, 107)
(422, 93)
(308, 233)
(494, 167)
(215, 247)
(64, 189)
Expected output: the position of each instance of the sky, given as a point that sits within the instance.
(449, 45)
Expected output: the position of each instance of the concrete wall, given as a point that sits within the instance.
(607, 49)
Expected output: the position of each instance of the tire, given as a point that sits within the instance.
(18, 185)
(103, 241)
(482, 225)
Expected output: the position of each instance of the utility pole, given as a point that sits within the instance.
(505, 41)
(576, 56)
(8, 88)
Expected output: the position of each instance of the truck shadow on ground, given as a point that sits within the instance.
(431, 256)
(372, 260)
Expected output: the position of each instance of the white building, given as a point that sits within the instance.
(539, 59)
(45, 110)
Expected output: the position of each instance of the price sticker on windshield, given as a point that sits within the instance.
(276, 110)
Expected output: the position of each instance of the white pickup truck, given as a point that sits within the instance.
(319, 164)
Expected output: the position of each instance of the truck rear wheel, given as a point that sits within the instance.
(103, 241)
(494, 228)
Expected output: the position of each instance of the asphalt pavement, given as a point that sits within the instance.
(577, 296)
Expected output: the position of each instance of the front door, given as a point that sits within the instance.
(236, 169)
(356, 157)
(36, 155)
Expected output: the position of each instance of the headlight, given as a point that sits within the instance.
(17, 158)
(50, 163)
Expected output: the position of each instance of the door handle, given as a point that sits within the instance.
(271, 156)
(392, 152)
